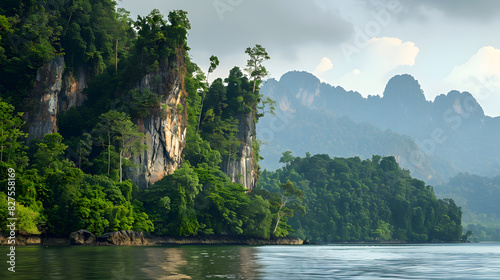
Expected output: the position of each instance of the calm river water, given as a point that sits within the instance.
(450, 261)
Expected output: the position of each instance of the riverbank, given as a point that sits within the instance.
(131, 238)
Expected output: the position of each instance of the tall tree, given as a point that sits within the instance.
(117, 126)
(130, 141)
(255, 69)
(178, 18)
(106, 130)
(50, 150)
(288, 194)
(287, 158)
(83, 148)
(122, 24)
(214, 62)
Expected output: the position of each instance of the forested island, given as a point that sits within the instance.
(107, 125)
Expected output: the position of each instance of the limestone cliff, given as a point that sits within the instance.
(55, 90)
(165, 126)
(243, 168)
(41, 107)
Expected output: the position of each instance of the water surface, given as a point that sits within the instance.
(448, 261)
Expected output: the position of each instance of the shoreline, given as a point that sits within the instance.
(129, 238)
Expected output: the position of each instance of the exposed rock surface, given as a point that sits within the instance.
(164, 127)
(222, 240)
(54, 91)
(72, 91)
(82, 237)
(123, 238)
(42, 104)
(132, 238)
(243, 168)
(21, 239)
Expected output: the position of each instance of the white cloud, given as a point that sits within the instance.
(325, 65)
(372, 65)
(480, 76)
(393, 51)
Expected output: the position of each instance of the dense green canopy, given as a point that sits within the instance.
(81, 177)
(355, 200)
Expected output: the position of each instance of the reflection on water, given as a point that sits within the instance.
(164, 263)
(452, 261)
(183, 262)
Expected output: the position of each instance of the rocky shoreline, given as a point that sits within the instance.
(132, 238)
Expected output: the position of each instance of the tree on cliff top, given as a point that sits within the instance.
(255, 69)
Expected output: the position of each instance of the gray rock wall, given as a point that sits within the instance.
(164, 127)
(54, 91)
(243, 168)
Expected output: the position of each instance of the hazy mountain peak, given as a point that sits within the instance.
(461, 102)
(300, 80)
(304, 76)
(404, 88)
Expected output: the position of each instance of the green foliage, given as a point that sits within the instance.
(11, 149)
(175, 192)
(287, 158)
(141, 102)
(285, 208)
(56, 195)
(478, 197)
(29, 36)
(354, 200)
(117, 128)
(180, 108)
(255, 69)
(222, 115)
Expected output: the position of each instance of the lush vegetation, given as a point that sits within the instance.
(424, 136)
(355, 200)
(80, 178)
(54, 196)
(478, 196)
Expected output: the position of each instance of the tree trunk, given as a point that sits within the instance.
(1, 152)
(277, 222)
(69, 19)
(279, 216)
(228, 161)
(10, 152)
(121, 165)
(109, 152)
(201, 110)
(116, 56)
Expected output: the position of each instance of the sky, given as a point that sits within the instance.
(358, 44)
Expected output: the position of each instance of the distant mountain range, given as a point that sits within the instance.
(434, 140)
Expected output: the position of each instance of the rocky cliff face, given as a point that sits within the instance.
(243, 169)
(164, 127)
(72, 90)
(42, 104)
(54, 91)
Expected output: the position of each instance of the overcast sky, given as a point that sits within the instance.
(358, 44)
